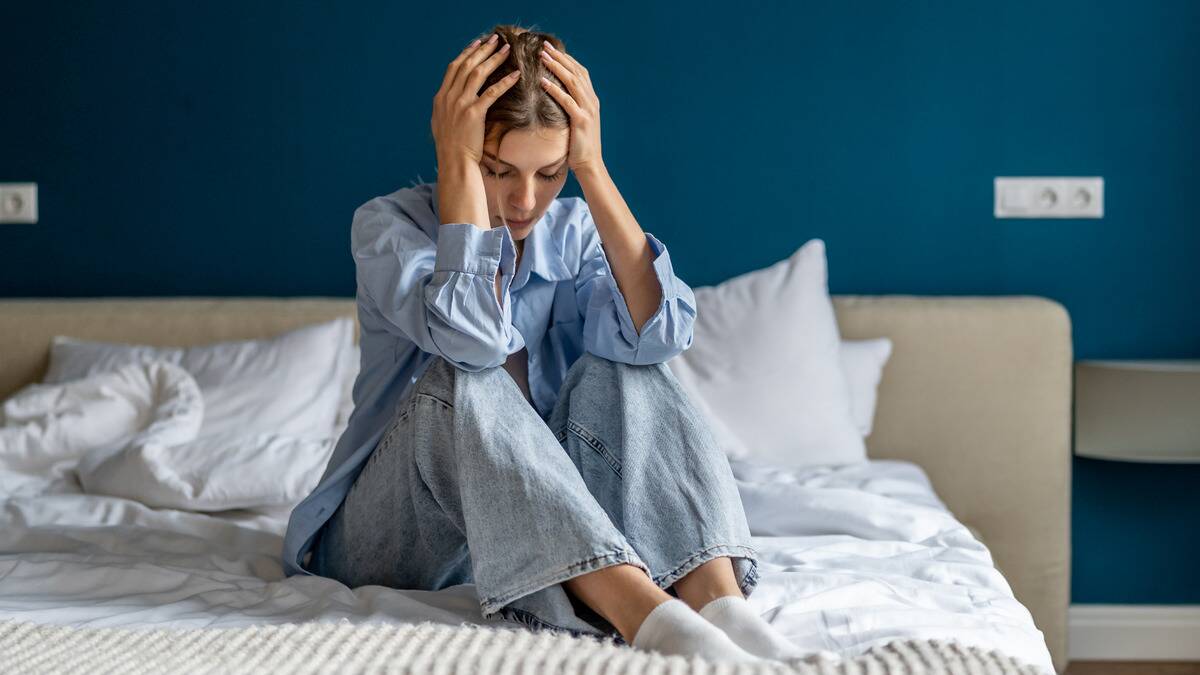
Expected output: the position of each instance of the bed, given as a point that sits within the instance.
(957, 531)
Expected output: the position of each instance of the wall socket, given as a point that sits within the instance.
(1049, 197)
(18, 203)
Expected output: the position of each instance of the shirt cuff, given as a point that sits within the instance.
(666, 281)
(463, 247)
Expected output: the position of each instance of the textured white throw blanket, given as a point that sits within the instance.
(427, 647)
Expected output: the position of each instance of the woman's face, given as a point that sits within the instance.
(523, 176)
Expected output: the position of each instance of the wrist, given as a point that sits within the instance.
(461, 196)
(591, 171)
(456, 167)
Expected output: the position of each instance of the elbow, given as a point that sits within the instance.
(653, 346)
(610, 334)
(679, 322)
(661, 351)
(670, 337)
(668, 332)
(470, 331)
(675, 347)
(471, 352)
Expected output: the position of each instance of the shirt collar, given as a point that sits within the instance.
(541, 246)
(545, 257)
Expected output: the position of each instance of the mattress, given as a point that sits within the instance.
(851, 557)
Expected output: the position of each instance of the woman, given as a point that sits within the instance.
(522, 429)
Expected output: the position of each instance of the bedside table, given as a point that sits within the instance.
(1138, 411)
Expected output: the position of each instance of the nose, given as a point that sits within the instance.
(524, 199)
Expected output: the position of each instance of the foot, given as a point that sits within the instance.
(674, 628)
(733, 615)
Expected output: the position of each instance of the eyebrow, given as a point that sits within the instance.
(493, 157)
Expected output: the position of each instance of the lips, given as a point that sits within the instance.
(520, 223)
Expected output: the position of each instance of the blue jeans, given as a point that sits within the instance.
(470, 485)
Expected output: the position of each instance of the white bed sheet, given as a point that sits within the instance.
(851, 557)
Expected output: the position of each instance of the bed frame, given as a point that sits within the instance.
(977, 392)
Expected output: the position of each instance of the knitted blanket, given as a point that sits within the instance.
(427, 648)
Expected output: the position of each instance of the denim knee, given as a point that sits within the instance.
(437, 379)
(592, 365)
(653, 380)
(443, 374)
(464, 391)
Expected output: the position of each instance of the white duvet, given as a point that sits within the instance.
(134, 432)
(852, 556)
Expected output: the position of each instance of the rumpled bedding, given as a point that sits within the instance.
(98, 528)
(133, 432)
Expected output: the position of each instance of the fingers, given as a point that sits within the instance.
(452, 68)
(565, 57)
(476, 77)
(567, 77)
(564, 99)
(489, 96)
(575, 78)
(469, 62)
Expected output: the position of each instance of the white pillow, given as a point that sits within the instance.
(862, 363)
(289, 384)
(765, 360)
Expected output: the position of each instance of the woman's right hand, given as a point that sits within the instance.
(459, 110)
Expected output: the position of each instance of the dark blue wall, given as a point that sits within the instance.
(219, 148)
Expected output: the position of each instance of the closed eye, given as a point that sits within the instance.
(556, 176)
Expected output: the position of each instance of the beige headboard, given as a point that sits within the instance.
(977, 392)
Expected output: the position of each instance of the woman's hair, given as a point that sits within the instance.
(526, 104)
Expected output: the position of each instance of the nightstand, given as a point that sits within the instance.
(1138, 411)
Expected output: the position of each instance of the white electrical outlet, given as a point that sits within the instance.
(1049, 197)
(18, 203)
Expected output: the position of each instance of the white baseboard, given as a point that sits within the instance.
(1133, 632)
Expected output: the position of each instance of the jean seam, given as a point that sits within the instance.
(668, 578)
(596, 444)
(422, 479)
(449, 406)
(493, 604)
(388, 441)
(403, 410)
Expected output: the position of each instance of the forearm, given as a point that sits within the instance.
(461, 199)
(624, 243)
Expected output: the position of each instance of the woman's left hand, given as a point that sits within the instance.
(581, 104)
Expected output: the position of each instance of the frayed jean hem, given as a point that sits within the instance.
(531, 620)
(492, 605)
(747, 583)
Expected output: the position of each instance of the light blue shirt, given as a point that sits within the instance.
(427, 289)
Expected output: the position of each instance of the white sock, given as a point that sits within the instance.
(673, 628)
(733, 614)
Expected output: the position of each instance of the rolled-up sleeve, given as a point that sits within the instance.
(442, 295)
(608, 328)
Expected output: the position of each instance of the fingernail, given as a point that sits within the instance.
(504, 47)
(474, 43)
(492, 39)
(548, 45)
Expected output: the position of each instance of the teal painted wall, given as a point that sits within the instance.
(219, 148)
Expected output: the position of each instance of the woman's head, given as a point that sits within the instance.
(526, 134)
